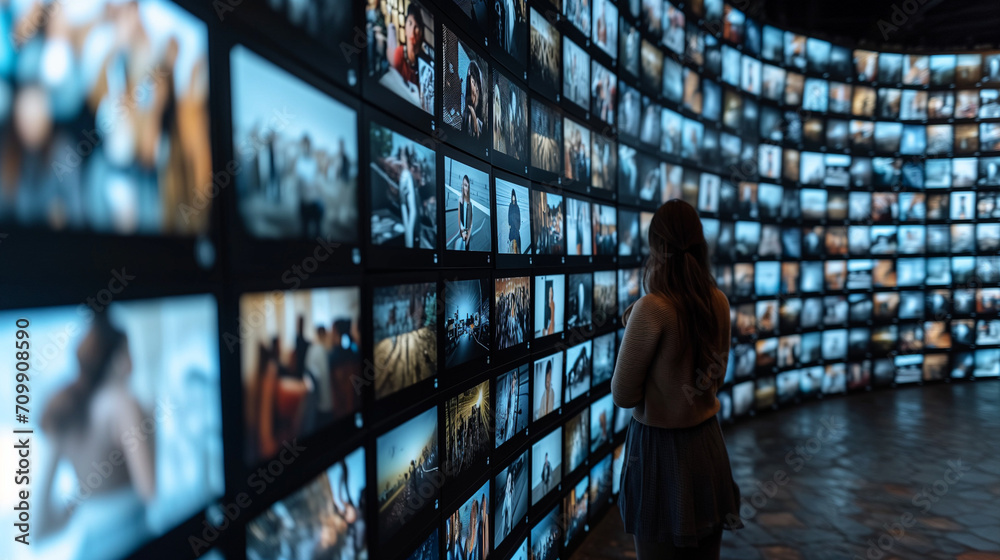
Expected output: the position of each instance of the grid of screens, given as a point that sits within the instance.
(383, 281)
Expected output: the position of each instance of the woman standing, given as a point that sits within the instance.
(475, 101)
(514, 224)
(465, 216)
(677, 489)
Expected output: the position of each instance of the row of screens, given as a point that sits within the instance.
(162, 357)
(298, 176)
(791, 386)
(768, 355)
(693, 33)
(741, 281)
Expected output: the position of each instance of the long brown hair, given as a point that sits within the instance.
(678, 269)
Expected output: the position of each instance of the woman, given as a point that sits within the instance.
(514, 224)
(88, 421)
(465, 216)
(408, 202)
(677, 489)
(550, 310)
(475, 101)
(406, 57)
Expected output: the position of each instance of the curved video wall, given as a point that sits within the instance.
(332, 280)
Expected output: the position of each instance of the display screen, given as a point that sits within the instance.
(468, 425)
(550, 295)
(404, 320)
(466, 321)
(303, 176)
(468, 527)
(547, 385)
(467, 208)
(334, 502)
(546, 465)
(401, 51)
(120, 147)
(406, 463)
(511, 503)
(403, 186)
(138, 368)
(301, 355)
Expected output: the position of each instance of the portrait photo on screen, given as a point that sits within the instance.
(466, 321)
(510, 118)
(550, 297)
(468, 226)
(543, 70)
(513, 218)
(511, 404)
(406, 468)
(403, 184)
(511, 502)
(548, 381)
(546, 465)
(578, 368)
(329, 510)
(152, 364)
(465, 87)
(547, 223)
(546, 138)
(468, 426)
(404, 323)
(401, 49)
(301, 352)
(120, 147)
(302, 164)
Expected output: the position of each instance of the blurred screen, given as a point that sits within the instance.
(106, 120)
(139, 381)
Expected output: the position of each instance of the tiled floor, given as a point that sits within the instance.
(887, 475)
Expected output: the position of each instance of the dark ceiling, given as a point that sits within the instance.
(934, 24)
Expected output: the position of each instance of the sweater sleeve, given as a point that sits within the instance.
(639, 346)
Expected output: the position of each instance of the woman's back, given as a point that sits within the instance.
(655, 372)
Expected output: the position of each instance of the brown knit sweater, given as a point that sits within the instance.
(654, 373)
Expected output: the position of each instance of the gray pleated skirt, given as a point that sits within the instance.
(676, 484)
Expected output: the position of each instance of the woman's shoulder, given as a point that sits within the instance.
(721, 297)
(651, 305)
